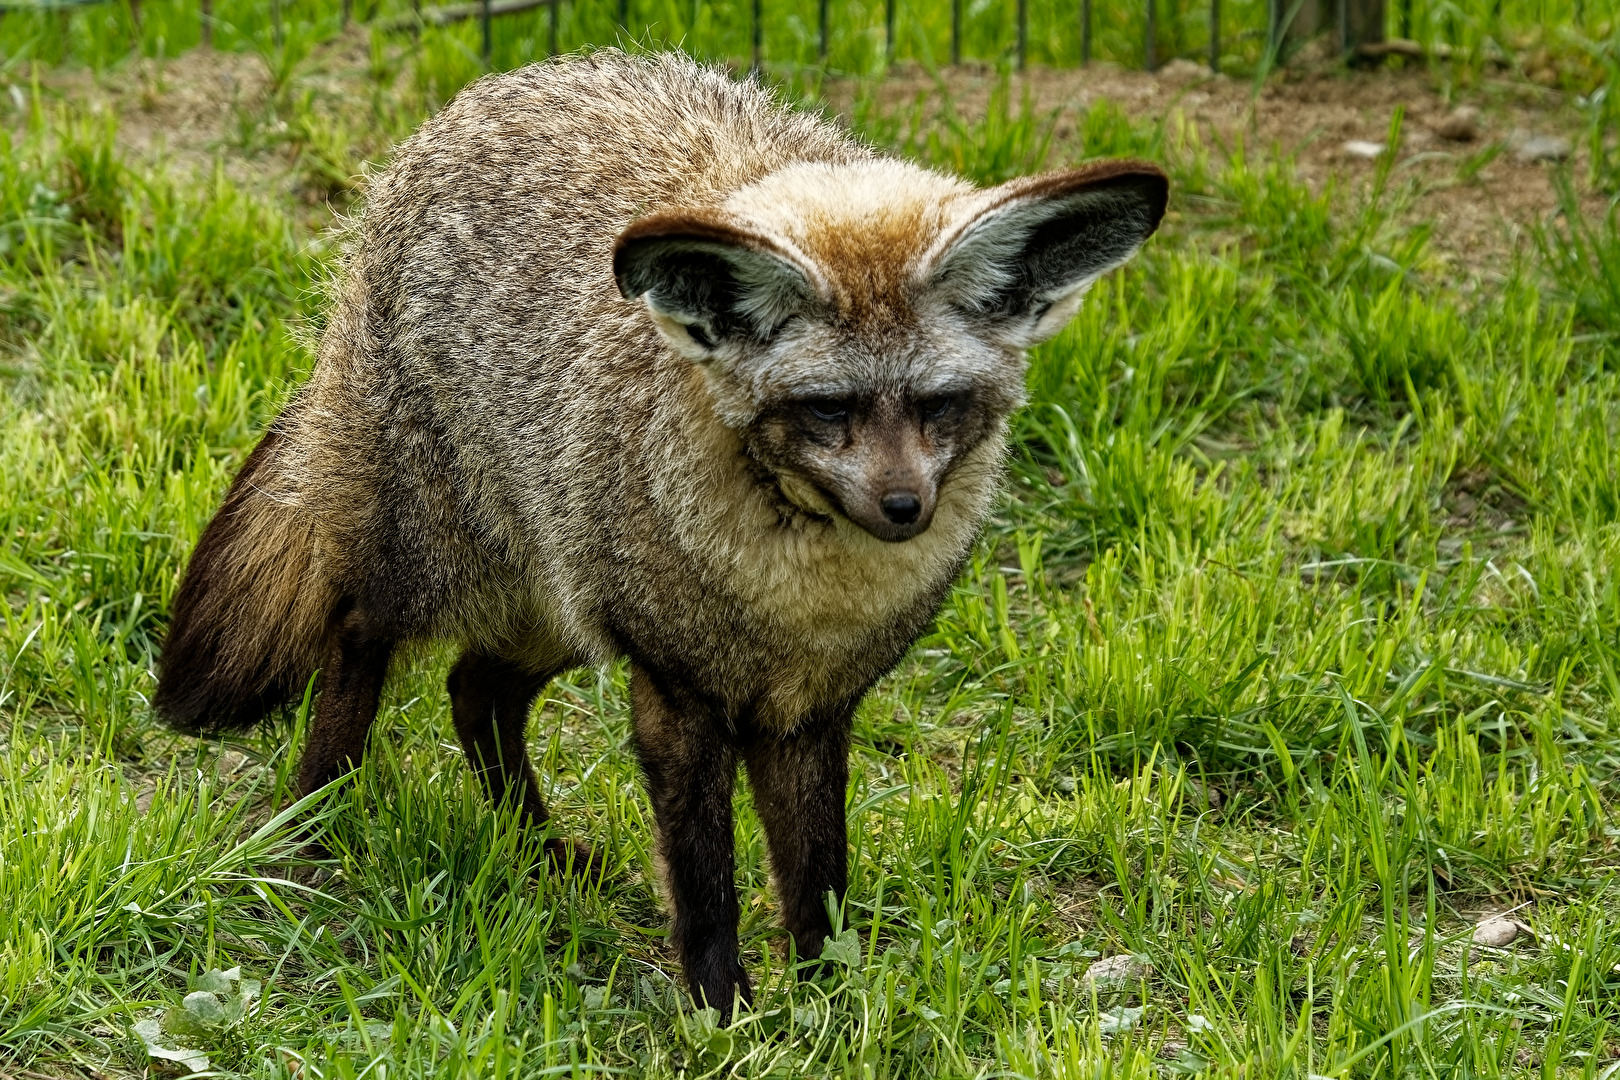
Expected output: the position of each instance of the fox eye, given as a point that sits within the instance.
(828, 411)
(935, 408)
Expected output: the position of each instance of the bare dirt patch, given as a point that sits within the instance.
(1480, 196)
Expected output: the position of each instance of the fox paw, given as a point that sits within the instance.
(572, 858)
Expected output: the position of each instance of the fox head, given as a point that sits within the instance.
(863, 327)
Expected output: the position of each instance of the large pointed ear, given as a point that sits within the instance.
(1021, 264)
(708, 282)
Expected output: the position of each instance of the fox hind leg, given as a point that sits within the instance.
(350, 690)
(490, 699)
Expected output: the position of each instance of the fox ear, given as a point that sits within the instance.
(709, 283)
(1021, 264)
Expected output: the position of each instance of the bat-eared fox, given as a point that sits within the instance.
(626, 359)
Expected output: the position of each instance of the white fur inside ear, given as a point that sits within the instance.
(1055, 318)
(678, 333)
(1021, 268)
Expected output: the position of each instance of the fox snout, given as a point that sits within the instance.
(897, 502)
(877, 460)
(901, 507)
(896, 515)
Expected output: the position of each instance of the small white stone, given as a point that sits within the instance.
(1113, 971)
(1497, 932)
(1545, 148)
(1361, 148)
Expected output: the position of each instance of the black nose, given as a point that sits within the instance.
(901, 507)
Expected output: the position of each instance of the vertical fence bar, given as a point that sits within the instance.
(488, 31)
(956, 32)
(348, 12)
(759, 34)
(1215, 36)
(207, 23)
(888, 31)
(1150, 37)
(1023, 33)
(1085, 32)
(821, 30)
(551, 27)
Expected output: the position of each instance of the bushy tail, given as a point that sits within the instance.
(247, 626)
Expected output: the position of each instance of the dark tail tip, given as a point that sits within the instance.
(230, 659)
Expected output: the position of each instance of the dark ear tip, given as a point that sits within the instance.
(642, 239)
(1148, 180)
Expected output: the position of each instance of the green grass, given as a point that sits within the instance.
(1294, 645)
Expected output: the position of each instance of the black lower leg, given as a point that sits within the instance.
(690, 773)
(350, 688)
(490, 699)
(799, 784)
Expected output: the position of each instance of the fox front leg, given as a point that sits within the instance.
(690, 772)
(799, 781)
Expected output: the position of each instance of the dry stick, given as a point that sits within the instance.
(1377, 50)
(348, 9)
(1023, 33)
(1085, 32)
(956, 31)
(207, 23)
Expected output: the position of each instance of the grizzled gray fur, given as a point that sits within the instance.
(628, 360)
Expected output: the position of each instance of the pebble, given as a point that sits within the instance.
(1460, 125)
(1202, 796)
(1498, 932)
(1181, 70)
(1361, 148)
(1544, 148)
(1113, 971)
